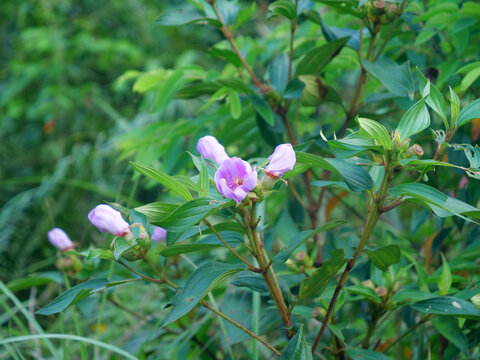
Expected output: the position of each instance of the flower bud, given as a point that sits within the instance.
(70, 264)
(476, 301)
(397, 143)
(159, 234)
(381, 291)
(235, 178)
(107, 219)
(318, 312)
(414, 150)
(209, 148)
(60, 239)
(282, 160)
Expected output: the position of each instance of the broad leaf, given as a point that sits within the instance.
(396, 78)
(468, 113)
(316, 59)
(283, 8)
(416, 119)
(441, 204)
(385, 256)
(73, 295)
(301, 237)
(376, 131)
(278, 72)
(181, 17)
(448, 306)
(200, 282)
(314, 285)
(173, 250)
(297, 348)
(451, 331)
(364, 354)
(164, 179)
(190, 214)
(263, 109)
(436, 100)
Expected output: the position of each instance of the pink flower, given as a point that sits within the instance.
(209, 148)
(105, 218)
(235, 178)
(60, 239)
(282, 160)
(159, 234)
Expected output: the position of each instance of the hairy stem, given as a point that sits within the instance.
(232, 250)
(373, 216)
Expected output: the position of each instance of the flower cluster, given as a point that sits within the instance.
(235, 178)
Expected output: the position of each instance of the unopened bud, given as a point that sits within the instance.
(397, 142)
(476, 301)
(318, 312)
(69, 264)
(381, 291)
(368, 284)
(414, 150)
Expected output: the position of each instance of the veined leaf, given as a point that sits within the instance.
(200, 282)
(283, 8)
(316, 59)
(297, 348)
(301, 237)
(414, 120)
(164, 179)
(314, 285)
(376, 131)
(468, 113)
(448, 306)
(385, 256)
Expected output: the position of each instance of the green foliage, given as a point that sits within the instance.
(105, 103)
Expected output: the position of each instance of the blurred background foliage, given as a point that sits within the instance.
(86, 86)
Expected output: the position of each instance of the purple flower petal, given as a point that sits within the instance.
(282, 160)
(60, 239)
(209, 148)
(107, 219)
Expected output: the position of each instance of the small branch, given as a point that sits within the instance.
(241, 327)
(228, 34)
(143, 276)
(232, 250)
(405, 334)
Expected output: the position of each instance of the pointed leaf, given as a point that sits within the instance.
(377, 132)
(200, 282)
(416, 119)
(297, 348)
(448, 306)
(315, 60)
(385, 256)
(164, 179)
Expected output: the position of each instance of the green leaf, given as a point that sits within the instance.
(365, 292)
(343, 6)
(235, 84)
(203, 182)
(454, 106)
(263, 109)
(377, 132)
(436, 100)
(294, 89)
(197, 89)
(297, 348)
(451, 331)
(297, 169)
(73, 295)
(167, 90)
(385, 256)
(301, 237)
(278, 72)
(254, 282)
(396, 78)
(34, 280)
(314, 285)
(120, 247)
(181, 17)
(227, 54)
(200, 282)
(316, 59)
(356, 178)
(405, 296)
(468, 113)
(235, 104)
(441, 204)
(445, 282)
(416, 119)
(157, 211)
(469, 78)
(364, 354)
(283, 8)
(448, 306)
(173, 250)
(191, 213)
(164, 179)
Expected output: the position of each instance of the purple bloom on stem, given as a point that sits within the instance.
(60, 239)
(282, 160)
(159, 234)
(235, 178)
(209, 148)
(105, 218)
